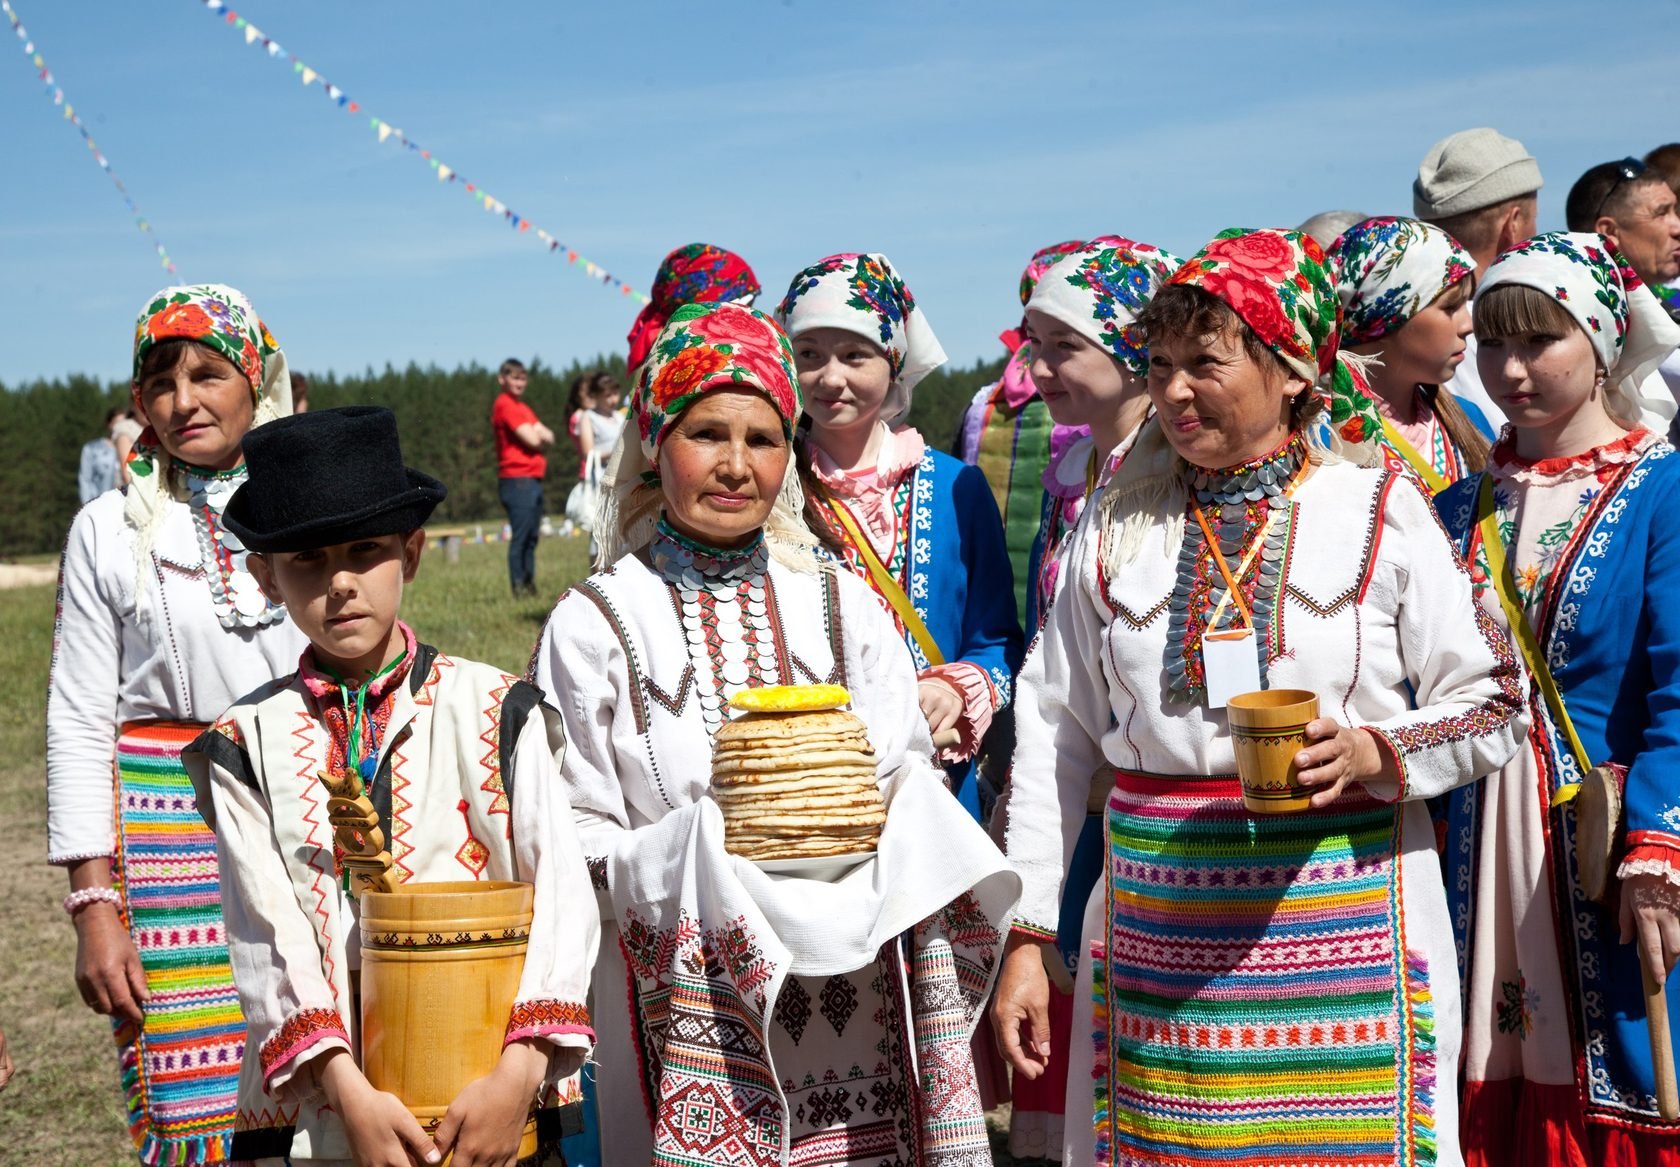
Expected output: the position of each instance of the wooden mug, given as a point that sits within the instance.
(1268, 729)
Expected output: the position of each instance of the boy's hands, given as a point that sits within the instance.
(483, 1125)
(381, 1130)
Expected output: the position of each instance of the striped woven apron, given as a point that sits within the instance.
(1253, 1000)
(180, 1067)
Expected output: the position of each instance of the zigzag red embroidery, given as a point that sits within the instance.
(307, 783)
(424, 696)
(492, 759)
(400, 849)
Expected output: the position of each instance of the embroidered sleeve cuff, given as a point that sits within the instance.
(980, 700)
(1651, 853)
(305, 1033)
(1033, 932)
(565, 1023)
(1384, 789)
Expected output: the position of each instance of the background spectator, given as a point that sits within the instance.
(520, 465)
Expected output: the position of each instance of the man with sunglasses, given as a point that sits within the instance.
(1633, 205)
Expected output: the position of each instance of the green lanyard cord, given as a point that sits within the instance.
(355, 713)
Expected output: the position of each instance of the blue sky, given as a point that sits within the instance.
(954, 137)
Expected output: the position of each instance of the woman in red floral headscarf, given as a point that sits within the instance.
(1266, 988)
(696, 274)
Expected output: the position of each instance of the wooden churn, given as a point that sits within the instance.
(440, 970)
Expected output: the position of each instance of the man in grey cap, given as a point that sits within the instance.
(1481, 188)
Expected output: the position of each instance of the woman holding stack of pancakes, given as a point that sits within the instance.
(1260, 988)
(770, 1018)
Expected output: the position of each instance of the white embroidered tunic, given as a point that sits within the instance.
(456, 812)
(119, 656)
(1371, 608)
(809, 973)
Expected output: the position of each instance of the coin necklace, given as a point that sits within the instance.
(723, 600)
(235, 596)
(1239, 503)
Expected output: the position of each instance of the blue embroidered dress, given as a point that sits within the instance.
(1554, 1012)
(934, 524)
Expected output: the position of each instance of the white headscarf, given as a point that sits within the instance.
(1628, 328)
(863, 294)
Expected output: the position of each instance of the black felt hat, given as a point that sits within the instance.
(318, 479)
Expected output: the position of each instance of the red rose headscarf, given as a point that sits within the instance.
(696, 274)
(1283, 287)
(713, 346)
(703, 348)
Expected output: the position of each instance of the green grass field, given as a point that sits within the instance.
(64, 1106)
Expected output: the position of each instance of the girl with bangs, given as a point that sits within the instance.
(922, 528)
(1566, 538)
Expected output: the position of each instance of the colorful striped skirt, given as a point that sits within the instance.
(180, 1067)
(1253, 1000)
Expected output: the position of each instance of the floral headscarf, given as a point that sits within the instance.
(216, 316)
(221, 319)
(1099, 291)
(1046, 258)
(703, 347)
(696, 274)
(1628, 328)
(1280, 284)
(862, 294)
(1390, 269)
(713, 346)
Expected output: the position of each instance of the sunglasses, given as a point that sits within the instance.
(1627, 170)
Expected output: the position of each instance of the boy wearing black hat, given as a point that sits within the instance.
(438, 769)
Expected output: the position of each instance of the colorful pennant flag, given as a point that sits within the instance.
(57, 94)
(386, 131)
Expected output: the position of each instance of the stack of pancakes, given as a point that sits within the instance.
(797, 784)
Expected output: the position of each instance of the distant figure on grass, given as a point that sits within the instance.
(520, 466)
(300, 393)
(6, 1067)
(125, 431)
(99, 470)
(396, 733)
(160, 625)
(594, 424)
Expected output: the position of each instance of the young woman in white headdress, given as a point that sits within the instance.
(920, 526)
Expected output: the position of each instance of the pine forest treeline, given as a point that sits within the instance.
(443, 416)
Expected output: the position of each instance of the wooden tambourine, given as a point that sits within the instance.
(1598, 832)
(1598, 847)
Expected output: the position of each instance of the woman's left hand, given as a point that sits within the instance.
(1650, 913)
(941, 704)
(483, 1125)
(1339, 755)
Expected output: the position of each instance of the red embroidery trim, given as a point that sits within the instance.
(300, 1031)
(546, 1015)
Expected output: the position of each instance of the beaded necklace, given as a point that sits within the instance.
(726, 603)
(1238, 505)
(234, 594)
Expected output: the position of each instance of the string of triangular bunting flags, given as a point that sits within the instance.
(387, 132)
(56, 92)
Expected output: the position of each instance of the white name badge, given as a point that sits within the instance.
(1230, 665)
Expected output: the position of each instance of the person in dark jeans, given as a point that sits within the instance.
(520, 465)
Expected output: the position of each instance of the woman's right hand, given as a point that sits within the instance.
(1021, 1008)
(108, 970)
(381, 1130)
